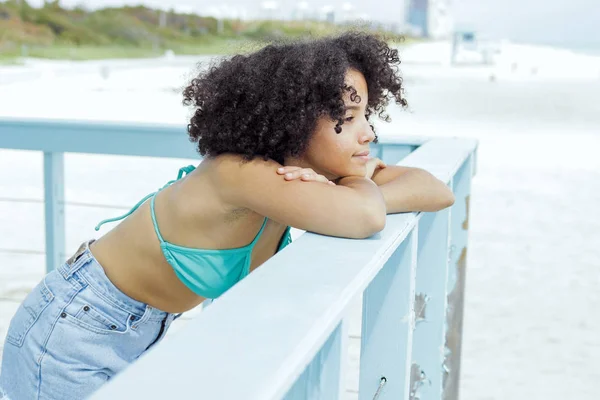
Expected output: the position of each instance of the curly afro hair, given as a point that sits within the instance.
(268, 103)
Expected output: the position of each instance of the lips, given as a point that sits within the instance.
(362, 153)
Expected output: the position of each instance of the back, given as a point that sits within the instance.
(189, 213)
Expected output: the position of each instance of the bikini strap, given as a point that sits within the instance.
(153, 214)
(262, 228)
(127, 214)
(182, 171)
(185, 170)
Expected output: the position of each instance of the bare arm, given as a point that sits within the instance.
(412, 189)
(354, 208)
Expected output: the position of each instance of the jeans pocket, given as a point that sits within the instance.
(28, 313)
(93, 314)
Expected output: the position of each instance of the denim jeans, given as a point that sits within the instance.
(74, 332)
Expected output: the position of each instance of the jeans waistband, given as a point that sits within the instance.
(84, 266)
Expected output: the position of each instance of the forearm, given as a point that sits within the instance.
(369, 198)
(416, 190)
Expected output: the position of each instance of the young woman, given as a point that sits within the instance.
(285, 136)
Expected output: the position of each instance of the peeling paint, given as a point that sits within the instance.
(3, 395)
(465, 224)
(417, 380)
(421, 300)
(454, 320)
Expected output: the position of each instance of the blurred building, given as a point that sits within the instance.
(429, 18)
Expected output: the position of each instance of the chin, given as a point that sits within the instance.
(354, 172)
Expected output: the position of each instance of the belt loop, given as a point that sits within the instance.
(78, 260)
(145, 317)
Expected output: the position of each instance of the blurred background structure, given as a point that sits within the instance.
(522, 78)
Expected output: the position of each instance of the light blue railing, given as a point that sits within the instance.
(282, 332)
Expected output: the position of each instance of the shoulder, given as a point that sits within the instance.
(231, 163)
(233, 176)
(233, 171)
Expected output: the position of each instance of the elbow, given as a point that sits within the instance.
(373, 222)
(444, 200)
(449, 199)
(379, 225)
(439, 202)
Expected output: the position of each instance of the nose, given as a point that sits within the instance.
(367, 136)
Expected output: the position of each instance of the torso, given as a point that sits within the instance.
(189, 213)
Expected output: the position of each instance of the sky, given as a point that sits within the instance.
(565, 23)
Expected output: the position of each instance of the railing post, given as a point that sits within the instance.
(387, 328)
(54, 194)
(324, 377)
(457, 269)
(430, 306)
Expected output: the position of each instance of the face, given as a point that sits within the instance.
(336, 155)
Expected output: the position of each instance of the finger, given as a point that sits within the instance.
(298, 173)
(323, 179)
(314, 177)
(291, 175)
(309, 177)
(285, 170)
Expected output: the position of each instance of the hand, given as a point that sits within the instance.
(373, 165)
(306, 174)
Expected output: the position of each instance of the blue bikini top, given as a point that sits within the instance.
(207, 272)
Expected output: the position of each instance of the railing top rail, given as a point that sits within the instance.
(256, 339)
(124, 138)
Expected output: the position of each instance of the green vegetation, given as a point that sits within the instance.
(127, 32)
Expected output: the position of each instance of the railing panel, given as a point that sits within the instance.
(324, 377)
(457, 270)
(391, 154)
(54, 208)
(387, 328)
(442, 157)
(430, 305)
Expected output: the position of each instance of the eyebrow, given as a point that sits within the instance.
(352, 107)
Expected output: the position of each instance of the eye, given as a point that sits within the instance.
(348, 119)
